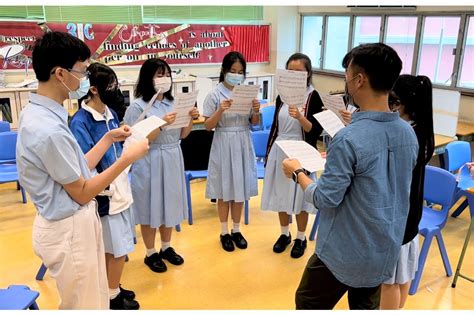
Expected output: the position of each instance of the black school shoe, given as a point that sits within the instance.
(281, 244)
(128, 294)
(155, 263)
(226, 241)
(239, 240)
(120, 302)
(170, 255)
(298, 248)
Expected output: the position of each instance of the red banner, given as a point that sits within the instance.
(126, 44)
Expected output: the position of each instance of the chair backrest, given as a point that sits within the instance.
(196, 149)
(267, 116)
(8, 145)
(458, 153)
(439, 187)
(4, 126)
(260, 140)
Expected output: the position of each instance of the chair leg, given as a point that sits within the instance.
(18, 185)
(178, 228)
(23, 194)
(463, 252)
(421, 263)
(190, 206)
(34, 306)
(315, 227)
(246, 212)
(41, 272)
(460, 209)
(444, 255)
(126, 258)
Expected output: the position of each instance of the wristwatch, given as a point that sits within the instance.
(296, 172)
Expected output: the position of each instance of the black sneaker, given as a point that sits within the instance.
(155, 263)
(170, 255)
(128, 294)
(298, 248)
(120, 302)
(226, 241)
(281, 243)
(239, 240)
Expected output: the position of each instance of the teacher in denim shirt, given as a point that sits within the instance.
(363, 194)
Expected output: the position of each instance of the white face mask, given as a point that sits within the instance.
(234, 78)
(162, 84)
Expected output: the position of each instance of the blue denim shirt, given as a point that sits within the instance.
(363, 196)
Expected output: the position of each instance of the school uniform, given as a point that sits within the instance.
(281, 194)
(89, 126)
(232, 170)
(66, 236)
(157, 180)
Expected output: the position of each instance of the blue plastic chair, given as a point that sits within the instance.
(260, 140)
(439, 189)
(18, 297)
(267, 116)
(8, 147)
(457, 154)
(4, 126)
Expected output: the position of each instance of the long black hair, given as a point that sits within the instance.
(415, 94)
(307, 65)
(229, 60)
(145, 87)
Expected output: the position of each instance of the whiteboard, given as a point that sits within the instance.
(445, 111)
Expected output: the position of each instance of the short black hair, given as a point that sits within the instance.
(145, 87)
(229, 59)
(379, 62)
(57, 49)
(101, 76)
(307, 64)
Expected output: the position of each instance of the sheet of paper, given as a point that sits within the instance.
(147, 109)
(183, 103)
(335, 103)
(143, 128)
(329, 121)
(291, 86)
(242, 97)
(308, 156)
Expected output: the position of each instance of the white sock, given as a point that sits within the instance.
(285, 230)
(165, 245)
(113, 293)
(301, 235)
(224, 228)
(150, 251)
(236, 227)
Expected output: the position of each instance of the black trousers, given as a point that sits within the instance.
(320, 290)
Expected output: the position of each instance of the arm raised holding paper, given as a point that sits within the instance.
(211, 122)
(290, 168)
(194, 113)
(255, 119)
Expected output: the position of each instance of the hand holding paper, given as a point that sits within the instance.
(183, 104)
(307, 155)
(242, 97)
(335, 103)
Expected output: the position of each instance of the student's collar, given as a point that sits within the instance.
(377, 116)
(98, 116)
(223, 90)
(165, 101)
(50, 104)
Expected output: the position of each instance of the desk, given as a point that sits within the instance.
(465, 131)
(466, 183)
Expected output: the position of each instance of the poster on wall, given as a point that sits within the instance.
(127, 44)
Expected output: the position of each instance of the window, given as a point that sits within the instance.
(311, 39)
(438, 48)
(337, 38)
(366, 30)
(400, 35)
(467, 59)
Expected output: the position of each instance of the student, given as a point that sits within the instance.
(89, 125)
(289, 123)
(363, 193)
(232, 171)
(158, 185)
(67, 233)
(412, 97)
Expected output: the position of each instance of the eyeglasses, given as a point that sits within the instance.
(347, 81)
(83, 74)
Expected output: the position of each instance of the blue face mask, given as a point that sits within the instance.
(234, 78)
(84, 86)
